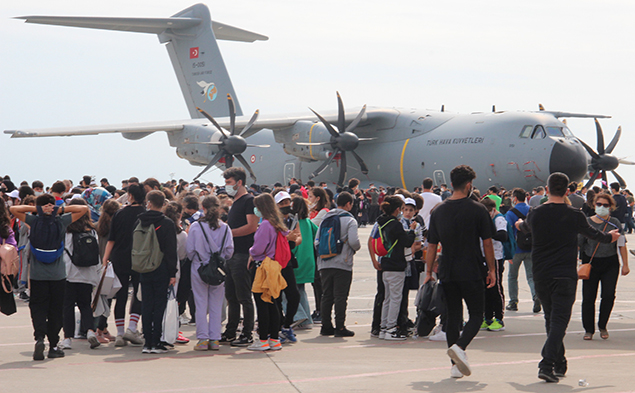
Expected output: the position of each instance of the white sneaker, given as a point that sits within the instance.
(133, 337)
(455, 373)
(66, 343)
(460, 359)
(92, 339)
(382, 334)
(259, 345)
(440, 336)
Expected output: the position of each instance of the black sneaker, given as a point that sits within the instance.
(242, 341)
(316, 317)
(225, 339)
(38, 353)
(512, 306)
(537, 306)
(327, 331)
(24, 297)
(160, 348)
(56, 352)
(146, 349)
(547, 375)
(343, 332)
(560, 369)
(374, 333)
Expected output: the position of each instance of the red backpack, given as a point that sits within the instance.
(283, 252)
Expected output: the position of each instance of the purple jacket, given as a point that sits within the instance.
(199, 251)
(11, 239)
(265, 241)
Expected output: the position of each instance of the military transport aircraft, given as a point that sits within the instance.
(392, 146)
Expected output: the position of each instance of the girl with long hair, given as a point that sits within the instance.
(305, 255)
(208, 235)
(265, 246)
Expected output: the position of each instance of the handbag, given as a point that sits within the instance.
(9, 260)
(171, 318)
(584, 270)
(213, 272)
(437, 302)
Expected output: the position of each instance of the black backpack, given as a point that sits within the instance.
(47, 236)
(213, 272)
(85, 250)
(523, 239)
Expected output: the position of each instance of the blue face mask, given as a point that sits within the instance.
(257, 212)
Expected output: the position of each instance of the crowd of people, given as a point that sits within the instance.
(241, 255)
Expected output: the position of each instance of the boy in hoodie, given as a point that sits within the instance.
(154, 285)
(336, 273)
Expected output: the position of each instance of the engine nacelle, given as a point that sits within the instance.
(187, 146)
(307, 132)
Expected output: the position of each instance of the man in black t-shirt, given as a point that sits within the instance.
(620, 203)
(555, 226)
(243, 223)
(459, 224)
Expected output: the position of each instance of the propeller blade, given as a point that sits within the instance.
(245, 133)
(340, 181)
(258, 145)
(592, 179)
(341, 120)
(624, 161)
(328, 126)
(313, 143)
(242, 160)
(494, 108)
(442, 108)
(232, 115)
(613, 143)
(361, 162)
(540, 107)
(211, 163)
(322, 167)
(366, 139)
(210, 118)
(229, 161)
(619, 179)
(589, 149)
(600, 135)
(355, 122)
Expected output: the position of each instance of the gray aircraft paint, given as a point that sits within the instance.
(409, 145)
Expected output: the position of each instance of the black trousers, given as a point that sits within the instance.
(336, 284)
(238, 293)
(605, 271)
(126, 277)
(268, 317)
(184, 294)
(379, 302)
(473, 292)
(154, 292)
(292, 294)
(47, 309)
(557, 296)
(80, 294)
(317, 289)
(495, 296)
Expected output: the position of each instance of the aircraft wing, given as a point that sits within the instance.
(130, 128)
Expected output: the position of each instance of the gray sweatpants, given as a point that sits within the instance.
(393, 291)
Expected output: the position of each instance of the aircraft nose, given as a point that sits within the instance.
(570, 158)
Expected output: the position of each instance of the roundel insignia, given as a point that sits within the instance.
(253, 159)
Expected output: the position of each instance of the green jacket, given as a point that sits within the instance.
(305, 273)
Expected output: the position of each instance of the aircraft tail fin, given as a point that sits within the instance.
(190, 37)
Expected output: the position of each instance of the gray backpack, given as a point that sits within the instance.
(146, 251)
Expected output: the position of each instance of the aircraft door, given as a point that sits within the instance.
(289, 171)
(439, 177)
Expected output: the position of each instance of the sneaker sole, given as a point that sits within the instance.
(548, 378)
(38, 353)
(463, 368)
(94, 343)
(395, 338)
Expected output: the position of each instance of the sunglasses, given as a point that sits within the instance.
(602, 204)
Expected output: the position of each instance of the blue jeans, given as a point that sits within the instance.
(512, 275)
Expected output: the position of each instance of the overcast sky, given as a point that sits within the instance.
(575, 56)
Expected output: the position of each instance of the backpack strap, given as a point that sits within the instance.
(207, 240)
(518, 213)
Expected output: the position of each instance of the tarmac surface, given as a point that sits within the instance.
(501, 361)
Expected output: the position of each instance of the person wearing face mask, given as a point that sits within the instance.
(291, 292)
(605, 267)
(393, 265)
(521, 256)
(38, 188)
(243, 222)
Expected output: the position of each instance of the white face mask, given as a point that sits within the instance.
(312, 205)
(231, 190)
(602, 211)
(38, 193)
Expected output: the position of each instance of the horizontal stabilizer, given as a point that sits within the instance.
(145, 25)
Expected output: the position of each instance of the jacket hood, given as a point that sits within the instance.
(381, 220)
(150, 217)
(336, 212)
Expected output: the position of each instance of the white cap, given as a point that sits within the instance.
(403, 198)
(15, 194)
(410, 201)
(281, 196)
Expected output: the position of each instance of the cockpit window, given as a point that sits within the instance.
(539, 133)
(526, 132)
(567, 132)
(555, 131)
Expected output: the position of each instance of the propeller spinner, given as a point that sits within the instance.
(231, 146)
(602, 160)
(342, 140)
